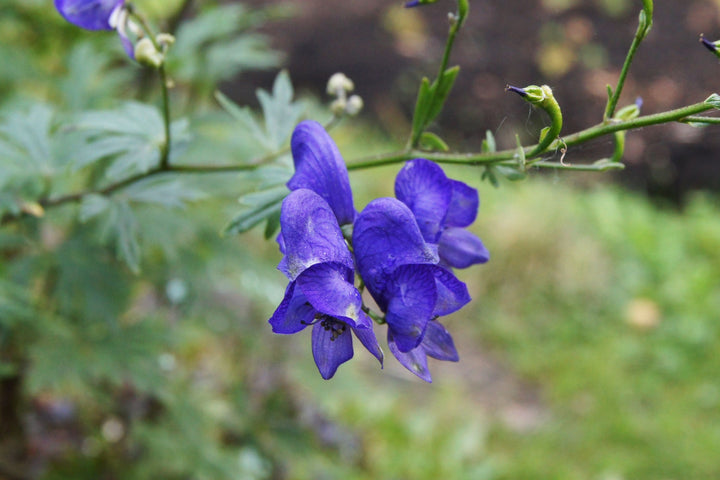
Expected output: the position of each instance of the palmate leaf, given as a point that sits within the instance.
(118, 225)
(160, 191)
(25, 141)
(132, 135)
(280, 113)
(213, 47)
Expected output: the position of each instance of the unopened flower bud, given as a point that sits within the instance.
(338, 106)
(165, 39)
(339, 83)
(354, 105)
(714, 47)
(146, 54)
(416, 3)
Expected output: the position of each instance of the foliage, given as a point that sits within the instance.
(130, 344)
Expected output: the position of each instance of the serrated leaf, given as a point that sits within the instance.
(25, 139)
(262, 205)
(93, 205)
(713, 100)
(245, 116)
(432, 142)
(132, 136)
(169, 193)
(280, 113)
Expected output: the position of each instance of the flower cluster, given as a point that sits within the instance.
(402, 249)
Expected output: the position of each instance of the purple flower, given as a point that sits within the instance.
(400, 270)
(442, 207)
(321, 292)
(97, 15)
(437, 343)
(320, 168)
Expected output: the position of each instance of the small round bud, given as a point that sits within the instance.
(339, 83)
(354, 105)
(165, 39)
(146, 54)
(338, 106)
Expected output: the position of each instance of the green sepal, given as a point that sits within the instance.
(431, 142)
(422, 106)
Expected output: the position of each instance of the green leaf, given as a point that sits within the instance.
(422, 105)
(93, 205)
(489, 175)
(713, 100)
(262, 205)
(441, 89)
(281, 114)
(245, 116)
(488, 145)
(25, 140)
(511, 173)
(132, 136)
(161, 191)
(431, 142)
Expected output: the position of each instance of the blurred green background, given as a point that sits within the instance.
(589, 352)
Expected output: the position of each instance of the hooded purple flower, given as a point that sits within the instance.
(321, 292)
(320, 167)
(97, 15)
(442, 207)
(400, 270)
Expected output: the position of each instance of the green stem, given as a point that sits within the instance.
(700, 119)
(644, 24)
(165, 148)
(583, 136)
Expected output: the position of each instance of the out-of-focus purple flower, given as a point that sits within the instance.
(443, 208)
(321, 292)
(400, 270)
(320, 167)
(98, 15)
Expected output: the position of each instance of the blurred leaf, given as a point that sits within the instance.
(262, 205)
(161, 191)
(25, 140)
(431, 142)
(131, 135)
(281, 114)
(511, 173)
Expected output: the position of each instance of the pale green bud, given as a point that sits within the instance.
(354, 105)
(146, 54)
(339, 84)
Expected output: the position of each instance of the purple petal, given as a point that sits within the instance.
(415, 360)
(294, 312)
(310, 233)
(126, 43)
(411, 295)
(88, 14)
(385, 237)
(460, 248)
(425, 189)
(328, 287)
(320, 168)
(367, 338)
(331, 346)
(452, 294)
(463, 206)
(439, 344)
